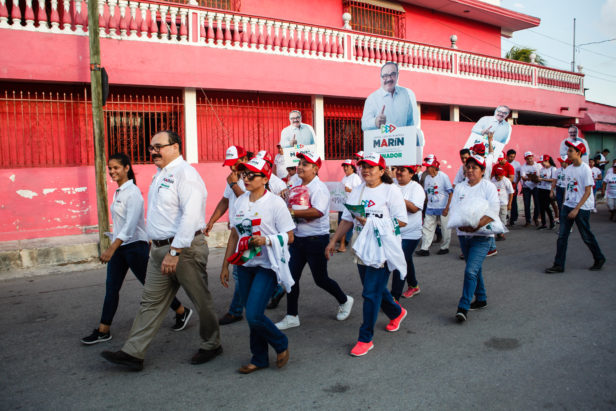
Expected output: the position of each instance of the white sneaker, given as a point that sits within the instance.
(344, 310)
(289, 321)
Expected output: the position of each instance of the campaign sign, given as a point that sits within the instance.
(290, 153)
(478, 138)
(397, 145)
(337, 195)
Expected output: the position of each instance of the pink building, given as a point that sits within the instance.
(226, 72)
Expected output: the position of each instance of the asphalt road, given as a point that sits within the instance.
(543, 342)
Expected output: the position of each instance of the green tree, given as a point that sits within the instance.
(523, 54)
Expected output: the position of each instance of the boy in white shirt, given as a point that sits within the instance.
(576, 208)
(505, 195)
(596, 176)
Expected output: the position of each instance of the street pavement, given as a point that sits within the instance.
(543, 342)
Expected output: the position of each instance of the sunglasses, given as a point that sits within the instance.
(249, 175)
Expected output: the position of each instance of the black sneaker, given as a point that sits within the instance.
(422, 253)
(229, 319)
(121, 358)
(554, 269)
(181, 320)
(461, 315)
(543, 227)
(203, 356)
(597, 265)
(444, 251)
(275, 300)
(96, 337)
(477, 305)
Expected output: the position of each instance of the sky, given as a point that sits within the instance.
(553, 39)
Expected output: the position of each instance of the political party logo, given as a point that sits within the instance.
(367, 203)
(387, 128)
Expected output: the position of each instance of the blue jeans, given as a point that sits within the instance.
(582, 220)
(256, 287)
(408, 247)
(475, 250)
(560, 198)
(135, 257)
(513, 215)
(236, 307)
(311, 250)
(349, 233)
(527, 194)
(376, 295)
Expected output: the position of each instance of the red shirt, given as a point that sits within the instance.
(508, 168)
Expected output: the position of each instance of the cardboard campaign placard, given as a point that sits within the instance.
(477, 138)
(290, 153)
(337, 196)
(397, 145)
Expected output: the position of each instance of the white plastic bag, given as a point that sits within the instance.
(467, 213)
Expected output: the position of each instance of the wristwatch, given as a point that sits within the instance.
(174, 253)
(231, 184)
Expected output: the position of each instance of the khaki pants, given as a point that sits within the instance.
(429, 228)
(160, 289)
(503, 214)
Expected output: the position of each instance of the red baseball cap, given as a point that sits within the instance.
(348, 162)
(479, 148)
(373, 159)
(359, 154)
(545, 157)
(501, 156)
(310, 157)
(528, 154)
(481, 162)
(578, 145)
(233, 154)
(412, 168)
(265, 155)
(562, 159)
(500, 171)
(257, 165)
(431, 162)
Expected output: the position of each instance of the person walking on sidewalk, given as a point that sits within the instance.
(578, 204)
(529, 174)
(380, 201)
(310, 239)
(176, 218)
(547, 177)
(129, 248)
(261, 229)
(349, 182)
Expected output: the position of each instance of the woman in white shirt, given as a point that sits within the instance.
(129, 248)
(376, 198)
(349, 181)
(609, 190)
(260, 221)
(475, 242)
(414, 198)
(560, 184)
(546, 176)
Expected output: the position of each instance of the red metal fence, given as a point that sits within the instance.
(251, 120)
(343, 135)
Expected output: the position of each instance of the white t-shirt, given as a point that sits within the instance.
(610, 181)
(319, 199)
(525, 171)
(414, 193)
(484, 189)
(564, 147)
(550, 173)
(294, 181)
(382, 201)
(229, 194)
(281, 170)
(276, 185)
(268, 215)
(459, 176)
(351, 181)
(490, 161)
(504, 188)
(516, 167)
(596, 173)
(560, 178)
(437, 190)
(578, 178)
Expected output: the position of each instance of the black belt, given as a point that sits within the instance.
(168, 241)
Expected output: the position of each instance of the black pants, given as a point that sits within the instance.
(527, 194)
(545, 205)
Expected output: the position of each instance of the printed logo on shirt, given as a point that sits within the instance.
(572, 185)
(367, 203)
(246, 227)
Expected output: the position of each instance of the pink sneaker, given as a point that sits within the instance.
(361, 348)
(411, 292)
(394, 325)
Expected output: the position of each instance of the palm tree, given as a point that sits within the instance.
(523, 54)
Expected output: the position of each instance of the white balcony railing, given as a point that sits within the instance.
(164, 22)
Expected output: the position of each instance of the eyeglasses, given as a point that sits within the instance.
(504, 113)
(294, 118)
(390, 75)
(157, 147)
(251, 176)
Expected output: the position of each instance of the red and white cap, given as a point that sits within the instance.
(501, 156)
(257, 165)
(310, 157)
(500, 170)
(359, 154)
(232, 155)
(481, 162)
(479, 148)
(545, 157)
(562, 159)
(578, 145)
(430, 156)
(373, 159)
(413, 167)
(431, 162)
(265, 155)
(348, 162)
(528, 154)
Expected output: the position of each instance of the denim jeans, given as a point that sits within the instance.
(408, 247)
(349, 233)
(560, 197)
(527, 194)
(513, 214)
(311, 250)
(475, 249)
(582, 220)
(376, 295)
(135, 257)
(256, 287)
(545, 206)
(236, 307)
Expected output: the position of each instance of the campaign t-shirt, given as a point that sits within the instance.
(560, 178)
(414, 193)
(577, 179)
(490, 161)
(610, 182)
(437, 190)
(516, 168)
(382, 201)
(460, 176)
(267, 216)
(484, 189)
(293, 181)
(319, 199)
(230, 195)
(525, 171)
(504, 188)
(276, 185)
(281, 170)
(351, 181)
(596, 173)
(549, 172)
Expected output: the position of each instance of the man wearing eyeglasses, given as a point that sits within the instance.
(574, 138)
(391, 104)
(297, 132)
(496, 124)
(178, 257)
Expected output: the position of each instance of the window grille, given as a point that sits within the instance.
(343, 134)
(370, 18)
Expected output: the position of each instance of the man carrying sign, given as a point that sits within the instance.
(391, 104)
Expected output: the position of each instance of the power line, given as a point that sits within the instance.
(596, 42)
(577, 45)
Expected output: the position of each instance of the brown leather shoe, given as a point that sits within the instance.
(282, 358)
(249, 369)
(121, 358)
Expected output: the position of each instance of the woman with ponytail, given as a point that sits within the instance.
(129, 248)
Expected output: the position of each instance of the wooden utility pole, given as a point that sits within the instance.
(99, 130)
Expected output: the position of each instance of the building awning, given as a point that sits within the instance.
(599, 117)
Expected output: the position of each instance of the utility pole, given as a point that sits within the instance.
(97, 122)
(573, 60)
